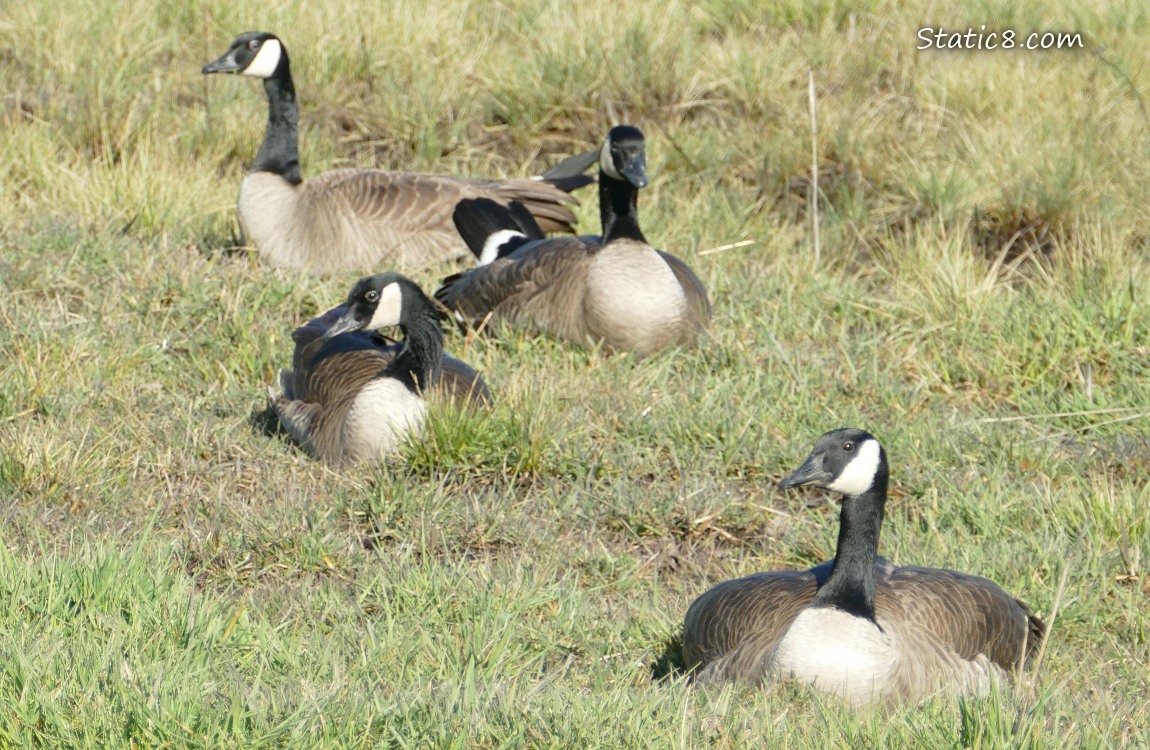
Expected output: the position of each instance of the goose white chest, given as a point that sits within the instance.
(379, 418)
(634, 300)
(837, 653)
(267, 207)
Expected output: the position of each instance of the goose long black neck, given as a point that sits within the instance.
(419, 362)
(279, 152)
(851, 584)
(619, 209)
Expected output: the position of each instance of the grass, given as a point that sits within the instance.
(174, 576)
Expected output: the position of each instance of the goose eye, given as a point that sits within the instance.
(371, 296)
(848, 446)
(254, 44)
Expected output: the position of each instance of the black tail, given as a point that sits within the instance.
(568, 184)
(526, 220)
(478, 219)
(568, 175)
(572, 167)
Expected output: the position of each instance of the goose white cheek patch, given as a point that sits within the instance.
(606, 163)
(387, 313)
(858, 476)
(266, 60)
(494, 242)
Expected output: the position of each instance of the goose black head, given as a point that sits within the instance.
(253, 53)
(624, 156)
(846, 460)
(380, 301)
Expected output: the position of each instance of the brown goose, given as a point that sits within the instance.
(357, 218)
(617, 289)
(351, 394)
(858, 626)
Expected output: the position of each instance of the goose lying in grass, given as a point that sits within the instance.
(358, 218)
(353, 395)
(858, 626)
(616, 289)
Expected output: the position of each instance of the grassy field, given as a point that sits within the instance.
(173, 576)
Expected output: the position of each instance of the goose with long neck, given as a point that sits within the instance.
(358, 218)
(622, 174)
(854, 464)
(353, 395)
(858, 626)
(619, 291)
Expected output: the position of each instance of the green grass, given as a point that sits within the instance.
(173, 576)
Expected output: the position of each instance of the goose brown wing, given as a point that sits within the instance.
(730, 631)
(311, 350)
(347, 363)
(460, 382)
(324, 381)
(308, 338)
(399, 203)
(967, 614)
(543, 280)
(298, 418)
(547, 200)
(342, 367)
(325, 392)
(323, 369)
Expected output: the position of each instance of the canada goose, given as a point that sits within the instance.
(357, 218)
(858, 626)
(351, 394)
(619, 290)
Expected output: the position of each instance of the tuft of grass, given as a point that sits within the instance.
(476, 442)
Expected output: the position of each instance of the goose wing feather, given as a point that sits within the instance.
(461, 383)
(729, 631)
(408, 215)
(542, 282)
(965, 614)
(549, 203)
(298, 418)
(325, 389)
(359, 352)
